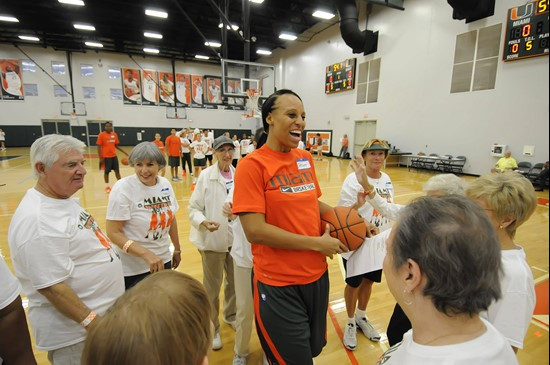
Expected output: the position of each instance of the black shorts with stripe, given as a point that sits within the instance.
(111, 164)
(291, 321)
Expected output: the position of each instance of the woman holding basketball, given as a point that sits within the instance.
(141, 217)
(276, 197)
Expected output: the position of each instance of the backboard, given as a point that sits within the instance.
(239, 76)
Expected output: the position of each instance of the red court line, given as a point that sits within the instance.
(539, 321)
(351, 356)
(543, 201)
(541, 290)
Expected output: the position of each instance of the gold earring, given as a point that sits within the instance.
(500, 227)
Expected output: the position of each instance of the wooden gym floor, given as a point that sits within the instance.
(16, 178)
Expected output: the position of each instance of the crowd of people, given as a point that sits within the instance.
(463, 290)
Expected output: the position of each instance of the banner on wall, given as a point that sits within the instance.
(131, 86)
(149, 88)
(12, 84)
(166, 89)
(213, 90)
(311, 139)
(183, 89)
(197, 91)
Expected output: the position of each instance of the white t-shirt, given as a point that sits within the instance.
(511, 315)
(250, 148)
(209, 142)
(491, 348)
(198, 95)
(14, 83)
(149, 90)
(237, 152)
(148, 212)
(241, 251)
(200, 149)
(53, 241)
(10, 288)
(181, 92)
(301, 145)
(348, 197)
(183, 148)
(244, 146)
(2, 136)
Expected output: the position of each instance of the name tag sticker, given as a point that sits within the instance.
(303, 164)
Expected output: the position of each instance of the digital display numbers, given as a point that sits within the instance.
(340, 76)
(527, 31)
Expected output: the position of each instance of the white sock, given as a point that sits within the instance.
(351, 321)
(360, 314)
(107, 185)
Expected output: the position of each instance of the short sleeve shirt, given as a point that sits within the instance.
(108, 142)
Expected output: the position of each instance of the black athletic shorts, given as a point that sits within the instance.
(209, 157)
(111, 164)
(173, 161)
(199, 162)
(291, 321)
(355, 281)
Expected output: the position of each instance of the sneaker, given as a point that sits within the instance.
(350, 337)
(216, 342)
(194, 181)
(264, 360)
(174, 179)
(239, 360)
(367, 329)
(107, 189)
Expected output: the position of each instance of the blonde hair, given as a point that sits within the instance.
(163, 320)
(508, 194)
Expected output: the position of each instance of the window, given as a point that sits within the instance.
(476, 60)
(30, 89)
(116, 94)
(60, 92)
(88, 92)
(58, 68)
(28, 66)
(114, 73)
(86, 70)
(367, 81)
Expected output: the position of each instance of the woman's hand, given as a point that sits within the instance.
(227, 212)
(211, 225)
(358, 165)
(329, 245)
(176, 259)
(155, 263)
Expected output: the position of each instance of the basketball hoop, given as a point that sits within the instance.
(252, 110)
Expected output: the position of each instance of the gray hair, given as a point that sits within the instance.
(48, 148)
(146, 151)
(446, 183)
(456, 247)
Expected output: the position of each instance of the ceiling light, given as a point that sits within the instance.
(201, 57)
(323, 14)
(29, 38)
(213, 44)
(257, 1)
(153, 35)
(151, 50)
(263, 51)
(72, 2)
(94, 44)
(84, 26)
(233, 26)
(157, 13)
(7, 18)
(288, 36)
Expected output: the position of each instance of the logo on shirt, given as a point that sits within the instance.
(297, 189)
(86, 221)
(161, 216)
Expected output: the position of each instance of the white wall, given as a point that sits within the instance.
(415, 109)
(33, 109)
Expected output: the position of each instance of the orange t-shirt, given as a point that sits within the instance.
(108, 142)
(160, 145)
(345, 142)
(173, 143)
(283, 186)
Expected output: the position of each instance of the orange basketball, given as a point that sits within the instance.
(346, 225)
(124, 161)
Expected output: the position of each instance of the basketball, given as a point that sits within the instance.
(124, 161)
(346, 225)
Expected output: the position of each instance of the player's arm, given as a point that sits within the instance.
(99, 152)
(121, 150)
(65, 300)
(117, 236)
(173, 232)
(15, 348)
(258, 231)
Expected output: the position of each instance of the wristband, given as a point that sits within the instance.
(127, 245)
(89, 318)
(177, 251)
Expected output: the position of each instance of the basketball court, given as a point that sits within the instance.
(533, 236)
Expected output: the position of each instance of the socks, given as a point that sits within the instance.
(360, 314)
(351, 321)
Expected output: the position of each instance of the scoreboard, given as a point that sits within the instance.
(340, 76)
(527, 31)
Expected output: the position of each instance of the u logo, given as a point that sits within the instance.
(522, 11)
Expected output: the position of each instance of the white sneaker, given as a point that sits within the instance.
(216, 342)
(350, 336)
(239, 360)
(264, 360)
(367, 329)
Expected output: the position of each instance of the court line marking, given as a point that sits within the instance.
(350, 354)
(539, 269)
